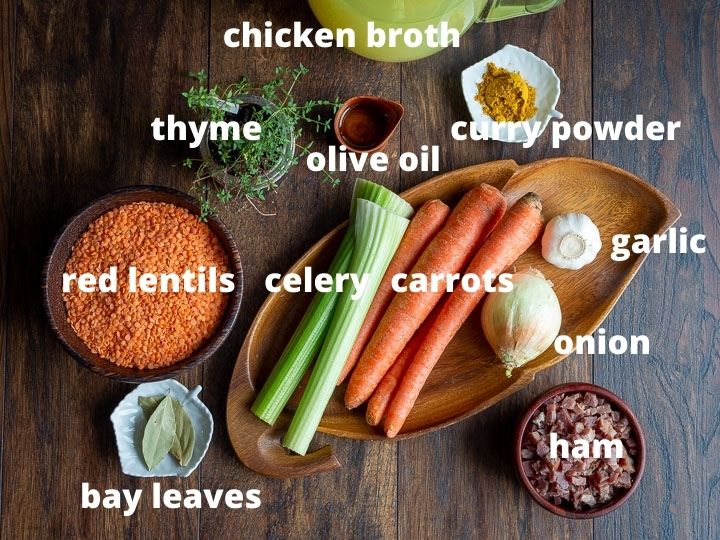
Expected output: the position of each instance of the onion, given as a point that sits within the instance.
(522, 323)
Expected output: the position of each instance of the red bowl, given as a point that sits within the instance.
(617, 403)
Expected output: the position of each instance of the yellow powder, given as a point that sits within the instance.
(505, 96)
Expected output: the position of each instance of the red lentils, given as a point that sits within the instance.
(138, 329)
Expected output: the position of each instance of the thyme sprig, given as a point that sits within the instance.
(239, 168)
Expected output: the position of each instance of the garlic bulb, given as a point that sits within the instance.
(522, 323)
(570, 241)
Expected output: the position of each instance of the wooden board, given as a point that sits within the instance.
(669, 73)
(92, 77)
(468, 377)
(304, 208)
(7, 48)
(467, 486)
(88, 78)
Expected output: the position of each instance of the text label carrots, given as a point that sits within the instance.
(468, 226)
(517, 231)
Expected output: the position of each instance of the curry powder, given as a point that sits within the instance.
(505, 96)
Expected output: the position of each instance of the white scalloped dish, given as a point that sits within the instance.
(536, 71)
(129, 423)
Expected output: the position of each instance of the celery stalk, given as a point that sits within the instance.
(377, 235)
(303, 345)
(308, 337)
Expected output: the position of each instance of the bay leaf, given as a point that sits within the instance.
(159, 433)
(149, 403)
(184, 442)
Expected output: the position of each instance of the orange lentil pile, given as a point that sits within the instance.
(139, 329)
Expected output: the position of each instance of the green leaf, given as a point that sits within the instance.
(238, 169)
(184, 442)
(159, 433)
(149, 403)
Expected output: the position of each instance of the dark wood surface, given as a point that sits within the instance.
(88, 78)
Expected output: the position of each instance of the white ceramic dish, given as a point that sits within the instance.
(536, 71)
(129, 423)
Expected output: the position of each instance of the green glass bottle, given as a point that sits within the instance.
(419, 14)
(499, 10)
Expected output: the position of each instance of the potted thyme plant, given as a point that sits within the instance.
(233, 169)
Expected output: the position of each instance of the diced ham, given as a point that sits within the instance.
(542, 486)
(551, 412)
(590, 399)
(542, 449)
(588, 499)
(605, 427)
(534, 437)
(563, 421)
(625, 481)
(578, 482)
(568, 403)
(604, 409)
(627, 463)
(604, 493)
(561, 481)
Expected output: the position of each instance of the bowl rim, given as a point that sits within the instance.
(351, 102)
(120, 422)
(206, 349)
(616, 401)
(482, 117)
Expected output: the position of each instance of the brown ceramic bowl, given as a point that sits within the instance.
(617, 404)
(364, 124)
(60, 253)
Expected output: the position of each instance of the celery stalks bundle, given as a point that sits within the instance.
(377, 235)
(310, 333)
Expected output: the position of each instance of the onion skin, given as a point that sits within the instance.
(521, 324)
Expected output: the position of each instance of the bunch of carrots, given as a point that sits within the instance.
(404, 334)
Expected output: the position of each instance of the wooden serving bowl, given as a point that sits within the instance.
(60, 253)
(468, 377)
(619, 405)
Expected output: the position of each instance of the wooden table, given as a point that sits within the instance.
(81, 83)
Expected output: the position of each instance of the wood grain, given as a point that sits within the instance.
(465, 472)
(258, 445)
(305, 209)
(468, 377)
(7, 57)
(92, 76)
(664, 65)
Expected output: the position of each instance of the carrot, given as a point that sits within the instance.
(474, 217)
(517, 231)
(428, 220)
(382, 395)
